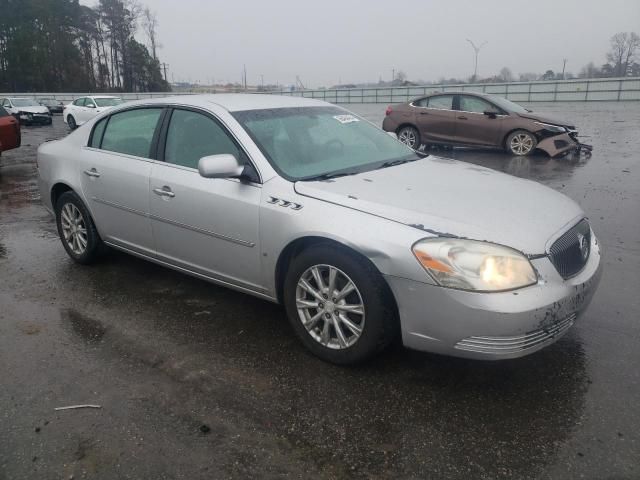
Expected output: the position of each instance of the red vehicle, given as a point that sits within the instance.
(9, 131)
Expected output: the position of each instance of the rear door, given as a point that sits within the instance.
(116, 167)
(9, 131)
(474, 127)
(436, 118)
(207, 225)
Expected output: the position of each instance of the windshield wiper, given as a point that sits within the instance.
(393, 163)
(327, 176)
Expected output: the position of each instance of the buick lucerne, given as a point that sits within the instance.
(303, 203)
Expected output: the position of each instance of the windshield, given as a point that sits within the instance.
(507, 105)
(24, 102)
(306, 142)
(107, 102)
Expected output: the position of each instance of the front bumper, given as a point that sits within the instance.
(494, 326)
(30, 118)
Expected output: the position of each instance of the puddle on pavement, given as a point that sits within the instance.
(86, 328)
(3, 251)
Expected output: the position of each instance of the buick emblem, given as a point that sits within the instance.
(583, 243)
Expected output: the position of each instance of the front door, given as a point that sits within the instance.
(116, 168)
(436, 120)
(474, 127)
(205, 225)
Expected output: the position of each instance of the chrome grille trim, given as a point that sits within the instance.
(517, 343)
(566, 253)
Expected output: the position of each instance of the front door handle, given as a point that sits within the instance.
(92, 173)
(462, 117)
(424, 113)
(164, 192)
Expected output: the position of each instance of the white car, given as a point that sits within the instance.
(85, 108)
(26, 110)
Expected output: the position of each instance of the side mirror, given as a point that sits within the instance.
(224, 165)
(90, 106)
(490, 114)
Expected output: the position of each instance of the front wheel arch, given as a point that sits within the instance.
(297, 246)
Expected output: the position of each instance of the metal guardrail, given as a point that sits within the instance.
(581, 90)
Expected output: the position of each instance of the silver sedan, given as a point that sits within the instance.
(303, 203)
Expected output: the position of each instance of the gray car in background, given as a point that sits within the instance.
(303, 203)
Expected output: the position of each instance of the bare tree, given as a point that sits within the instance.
(150, 26)
(506, 75)
(624, 46)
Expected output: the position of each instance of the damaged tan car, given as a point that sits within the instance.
(479, 120)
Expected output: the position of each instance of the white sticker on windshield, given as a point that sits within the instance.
(346, 118)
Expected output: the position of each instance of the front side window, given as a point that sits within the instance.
(192, 135)
(131, 132)
(307, 142)
(89, 103)
(476, 105)
(441, 102)
(79, 102)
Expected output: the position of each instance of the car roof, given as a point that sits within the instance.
(99, 96)
(234, 102)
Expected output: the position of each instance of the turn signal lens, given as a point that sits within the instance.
(474, 265)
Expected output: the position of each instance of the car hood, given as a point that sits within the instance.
(38, 109)
(450, 198)
(545, 119)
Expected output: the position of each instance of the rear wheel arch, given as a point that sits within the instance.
(406, 124)
(57, 190)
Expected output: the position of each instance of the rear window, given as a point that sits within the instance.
(131, 132)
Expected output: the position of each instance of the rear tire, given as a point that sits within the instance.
(337, 327)
(71, 122)
(410, 136)
(76, 229)
(521, 143)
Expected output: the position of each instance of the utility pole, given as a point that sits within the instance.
(164, 67)
(477, 51)
(244, 76)
(564, 64)
(393, 74)
(262, 80)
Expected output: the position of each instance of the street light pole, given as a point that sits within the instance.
(476, 50)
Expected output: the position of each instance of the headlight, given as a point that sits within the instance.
(551, 127)
(474, 265)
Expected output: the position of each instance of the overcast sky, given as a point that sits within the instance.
(327, 42)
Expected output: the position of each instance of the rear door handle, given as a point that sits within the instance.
(92, 173)
(462, 117)
(424, 113)
(164, 192)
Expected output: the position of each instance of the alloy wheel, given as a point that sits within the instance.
(74, 228)
(521, 144)
(408, 137)
(330, 306)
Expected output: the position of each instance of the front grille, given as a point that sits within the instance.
(570, 252)
(507, 345)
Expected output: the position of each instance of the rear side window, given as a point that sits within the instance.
(192, 135)
(98, 130)
(442, 102)
(131, 132)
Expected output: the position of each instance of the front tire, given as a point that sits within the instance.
(339, 305)
(521, 143)
(71, 122)
(410, 136)
(76, 229)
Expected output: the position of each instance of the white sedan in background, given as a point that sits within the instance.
(85, 108)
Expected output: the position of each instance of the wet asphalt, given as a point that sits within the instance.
(197, 381)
